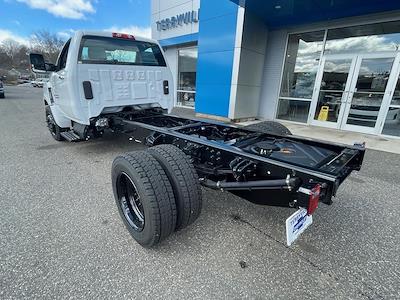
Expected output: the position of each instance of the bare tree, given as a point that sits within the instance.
(5, 61)
(47, 43)
(11, 49)
(15, 55)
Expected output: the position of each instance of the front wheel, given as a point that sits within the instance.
(54, 129)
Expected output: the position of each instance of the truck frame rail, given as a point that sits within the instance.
(264, 168)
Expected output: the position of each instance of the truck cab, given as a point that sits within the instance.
(98, 73)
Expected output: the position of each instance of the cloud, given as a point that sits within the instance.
(370, 43)
(309, 52)
(6, 35)
(70, 9)
(134, 30)
(66, 34)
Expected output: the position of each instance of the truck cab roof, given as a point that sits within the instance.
(80, 33)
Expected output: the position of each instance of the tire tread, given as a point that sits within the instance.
(269, 127)
(158, 192)
(189, 196)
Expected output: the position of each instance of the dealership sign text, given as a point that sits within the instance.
(178, 20)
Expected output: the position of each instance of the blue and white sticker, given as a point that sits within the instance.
(296, 224)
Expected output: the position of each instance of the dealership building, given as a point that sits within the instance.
(330, 63)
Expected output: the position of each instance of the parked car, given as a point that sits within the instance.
(1, 90)
(23, 79)
(39, 83)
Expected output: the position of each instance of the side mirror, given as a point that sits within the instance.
(50, 67)
(37, 63)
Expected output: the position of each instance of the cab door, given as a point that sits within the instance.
(59, 81)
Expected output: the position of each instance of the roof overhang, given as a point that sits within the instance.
(282, 13)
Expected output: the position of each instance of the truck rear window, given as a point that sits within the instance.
(115, 51)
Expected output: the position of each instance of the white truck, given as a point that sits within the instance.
(98, 73)
(110, 81)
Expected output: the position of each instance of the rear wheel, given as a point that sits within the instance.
(144, 197)
(269, 127)
(54, 129)
(2, 95)
(184, 180)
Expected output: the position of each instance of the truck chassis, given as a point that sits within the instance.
(267, 167)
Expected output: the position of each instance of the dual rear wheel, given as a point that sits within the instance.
(157, 192)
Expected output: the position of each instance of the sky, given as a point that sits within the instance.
(19, 19)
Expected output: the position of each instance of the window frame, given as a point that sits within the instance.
(161, 64)
(177, 103)
(61, 64)
(326, 28)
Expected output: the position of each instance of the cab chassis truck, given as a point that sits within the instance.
(263, 164)
(158, 191)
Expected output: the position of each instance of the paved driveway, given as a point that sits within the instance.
(61, 236)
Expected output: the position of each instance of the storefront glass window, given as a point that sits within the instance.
(293, 110)
(301, 64)
(396, 95)
(364, 38)
(187, 61)
(392, 122)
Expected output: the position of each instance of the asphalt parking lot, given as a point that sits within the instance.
(61, 235)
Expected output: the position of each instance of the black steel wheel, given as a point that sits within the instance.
(130, 202)
(54, 129)
(184, 180)
(144, 197)
(271, 127)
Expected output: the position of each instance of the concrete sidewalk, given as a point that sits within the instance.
(326, 134)
(345, 137)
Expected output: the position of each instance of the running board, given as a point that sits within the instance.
(70, 136)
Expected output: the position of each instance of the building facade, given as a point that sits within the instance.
(330, 63)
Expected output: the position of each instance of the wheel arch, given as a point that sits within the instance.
(60, 119)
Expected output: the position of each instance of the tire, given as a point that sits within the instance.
(269, 127)
(184, 180)
(2, 96)
(138, 174)
(54, 129)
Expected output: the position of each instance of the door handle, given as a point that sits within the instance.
(61, 77)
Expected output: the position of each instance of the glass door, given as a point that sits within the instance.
(332, 89)
(372, 85)
(187, 65)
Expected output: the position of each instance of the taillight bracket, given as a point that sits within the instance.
(310, 196)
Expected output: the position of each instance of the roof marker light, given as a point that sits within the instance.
(123, 36)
